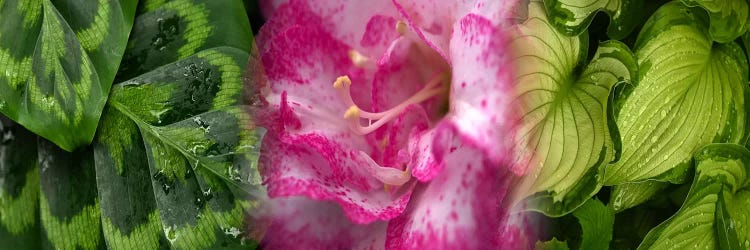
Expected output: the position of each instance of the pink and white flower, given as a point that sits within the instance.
(390, 124)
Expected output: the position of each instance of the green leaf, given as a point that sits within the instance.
(690, 93)
(68, 203)
(729, 18)
(573, 17)
(706, 218)
(596, 221)
(564, 101)
(552, 244)
(57, 63)
(19, 187)
(182, 128)
(632, 194)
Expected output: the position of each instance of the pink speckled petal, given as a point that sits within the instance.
(482, 109)
(298, 222)
(457, 209)
(366, 26)
(268, 7)
(433, 20)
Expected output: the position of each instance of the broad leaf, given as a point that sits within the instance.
(729, 18)
(564, 100)
(690, 93)
(553, 244)
(179, 134)
(19, 187)
(57, 63)
(596, 221)
(632, 194)
(573, 17)
(714, 214)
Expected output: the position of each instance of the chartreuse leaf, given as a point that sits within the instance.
(181, 134)
(729, 18)
(632, 194)
(19, 187)
(690, 93)
(68, 203)
(596, 221)
(715, 212)
(564, 101)
(572, 17)
(57, 63)
(552, 244)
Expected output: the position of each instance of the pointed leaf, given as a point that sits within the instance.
(57, 63)
(596, 221)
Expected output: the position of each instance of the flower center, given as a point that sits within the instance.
(356, 116)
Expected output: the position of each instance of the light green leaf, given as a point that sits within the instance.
(57, 63)
(596, 221)
(714, 213)
(552, 244)
(564, 101)
(632, 194)
(573, 17)
(690, 93)
(729, 18)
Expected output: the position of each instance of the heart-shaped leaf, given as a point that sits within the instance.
(690, 92)
(57, 63)
(565, 103)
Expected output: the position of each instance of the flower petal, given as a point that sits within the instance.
(298, 221)
(316, 167)
(366, 26)
(458, 209)
(433, 20)
(482, 109)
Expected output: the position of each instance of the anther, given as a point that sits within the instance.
(352, 112)
(358, 59)
(401, 27)
(342, 81)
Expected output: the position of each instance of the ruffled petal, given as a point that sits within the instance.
(458, 209)
(316, 167)
(366, 26)
(432, 20)
(300, 222)
(482, 109)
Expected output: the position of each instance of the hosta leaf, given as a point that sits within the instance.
(715, 212)
(68, 202)
(572, 17)
(596, 221)
(553, 244)
(729, 18)
(57, 63)
(565, 103)
(632, 194)
(690, 93)
(19, 187)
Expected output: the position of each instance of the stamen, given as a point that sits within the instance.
(376, 120)
(359, 60)
(390, 177)
(401, 27)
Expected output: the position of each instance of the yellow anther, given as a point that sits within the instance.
(341, 80)
(384, 143)
(387, 188)
(401, 27)
(359, 59)
(352, 112)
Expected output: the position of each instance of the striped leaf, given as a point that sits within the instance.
(573, 17)
(57, 63)
(691, 92)
(729, 18)
(564, 101)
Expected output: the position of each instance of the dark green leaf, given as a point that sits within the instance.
(553, 244)
(729, 18)
(596, 221)
(572, 17)
(57, 63)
